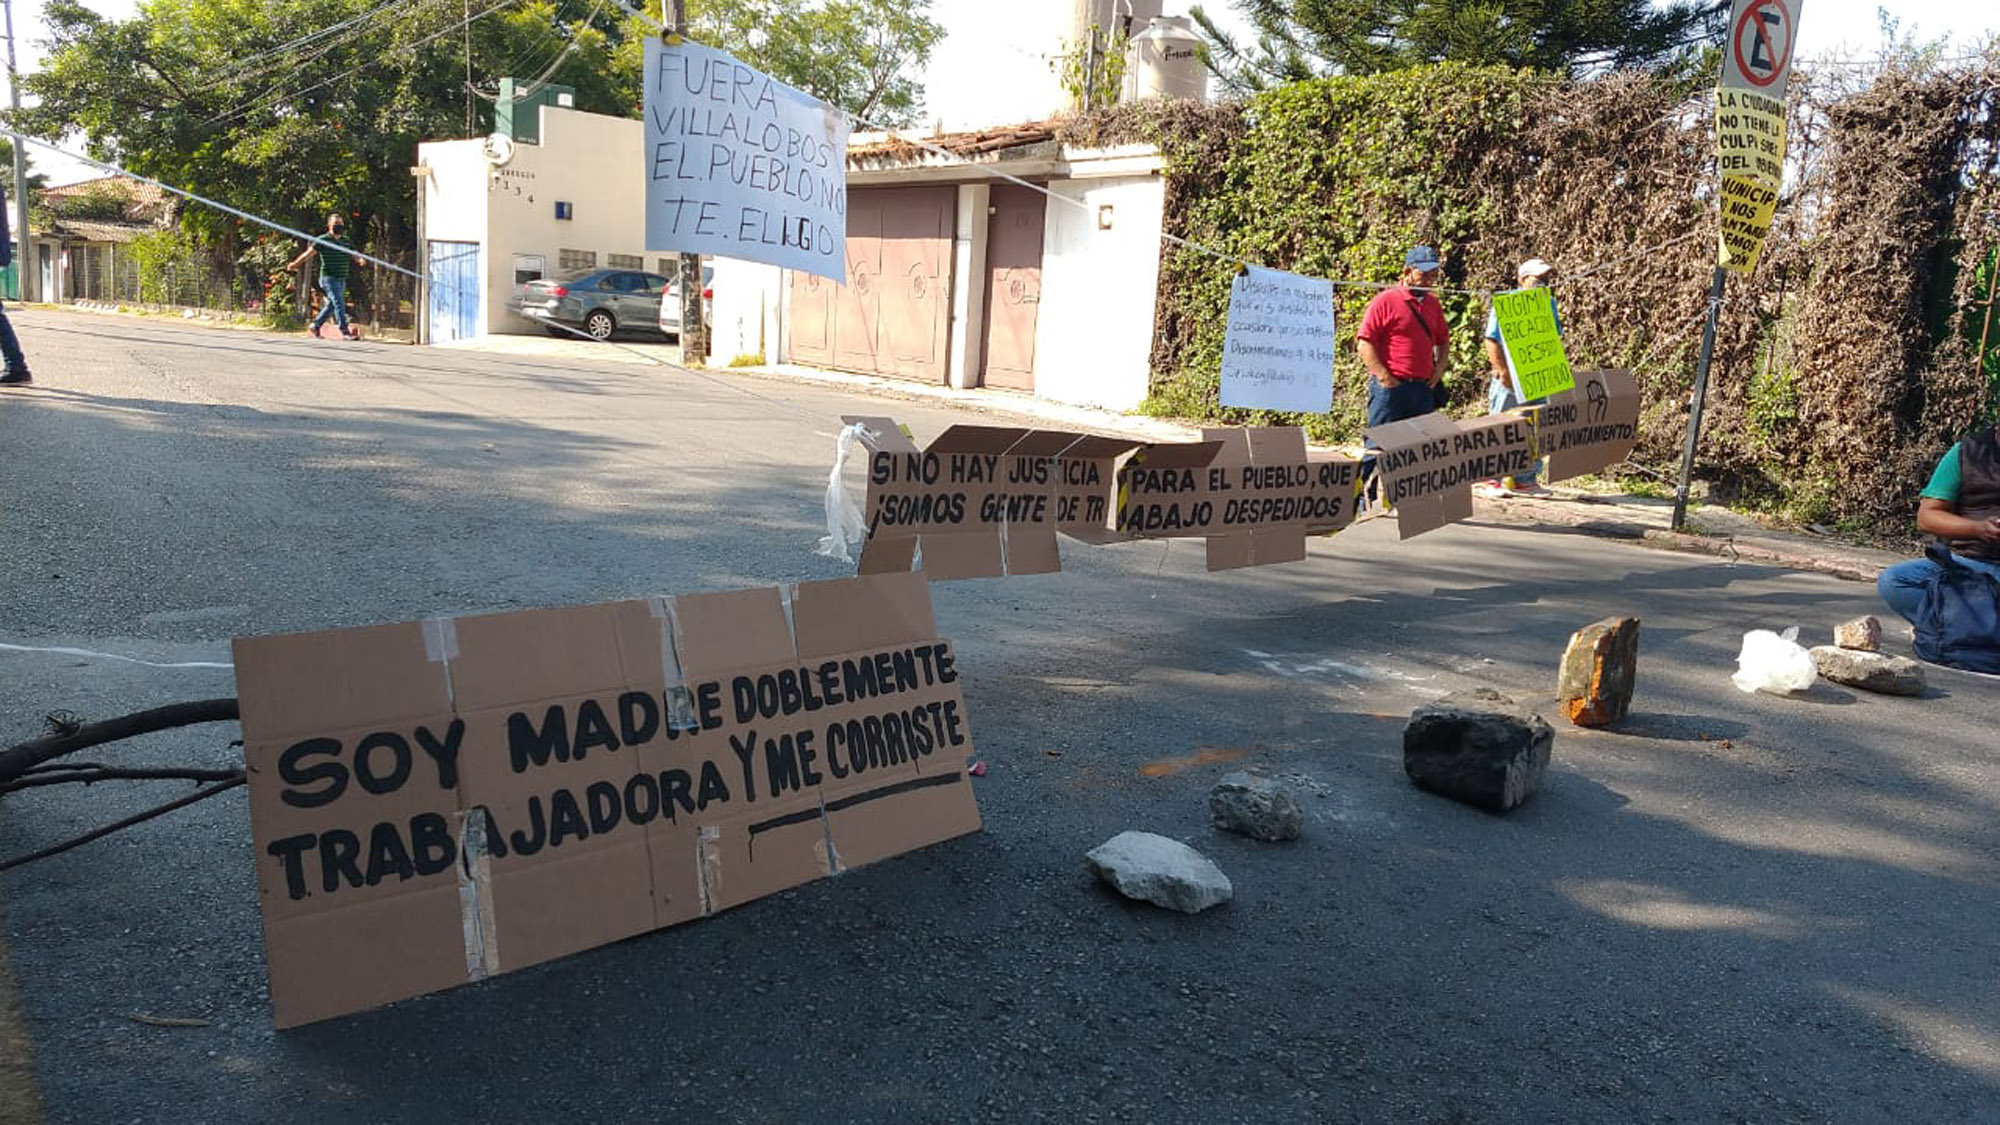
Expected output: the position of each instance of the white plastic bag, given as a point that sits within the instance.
(845, 528)
(1774, 662)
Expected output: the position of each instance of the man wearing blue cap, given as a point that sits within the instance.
(1402, 342)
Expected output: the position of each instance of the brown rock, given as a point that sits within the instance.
(1598, 668)
(1863, 634)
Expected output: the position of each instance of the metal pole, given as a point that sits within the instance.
(1700, 394)
(22, 272)
(1090, 72)
(687, 267)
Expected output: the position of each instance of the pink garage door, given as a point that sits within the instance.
(893, 317)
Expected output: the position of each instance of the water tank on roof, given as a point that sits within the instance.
(1112, 18)
(1165, 62)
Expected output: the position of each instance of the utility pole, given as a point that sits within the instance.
(687, 268)
(24, 275)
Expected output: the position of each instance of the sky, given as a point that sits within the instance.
(993, 66)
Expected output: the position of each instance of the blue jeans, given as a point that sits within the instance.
(10, 347)
(1409, 398)
(1500, 397)
(335, 289)
(1902, 585)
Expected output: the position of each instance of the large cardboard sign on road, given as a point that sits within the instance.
(1254, 494)
(978, 501)
(741, 165)
(438, 802)
(1429, 464)
(1590, 428)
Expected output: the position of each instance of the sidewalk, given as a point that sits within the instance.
(1641, 520)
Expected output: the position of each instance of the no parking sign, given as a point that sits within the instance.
(1750, 124)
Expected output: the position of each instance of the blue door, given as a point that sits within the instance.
(452, 282)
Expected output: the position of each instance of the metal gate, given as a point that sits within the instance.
(451, 285)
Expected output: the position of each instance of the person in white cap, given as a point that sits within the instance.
(1500, 392)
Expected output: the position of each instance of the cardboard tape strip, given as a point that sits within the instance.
(475, 896)
(680, 700)
(441, 647)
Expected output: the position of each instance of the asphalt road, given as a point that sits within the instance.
(1733, 908)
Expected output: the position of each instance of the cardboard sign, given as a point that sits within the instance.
(1429, 464)
(439, 802)
(1254, 494)
(1086, 486)
(1277, 351)
(1532, 339)
(741, 165)
(1590, 428)
(978, 502)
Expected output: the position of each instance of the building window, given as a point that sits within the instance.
(667, 266)
(576, 259)
(625, 261)
(527, 267)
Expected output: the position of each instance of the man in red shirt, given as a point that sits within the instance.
(1402, 343)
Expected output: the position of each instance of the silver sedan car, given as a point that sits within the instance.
(601, 302)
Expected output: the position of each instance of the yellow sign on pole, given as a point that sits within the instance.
(1750, 125)
(1750, 153)
(1533, 342)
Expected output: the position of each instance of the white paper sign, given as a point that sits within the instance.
(740, 165)
(1277, 353)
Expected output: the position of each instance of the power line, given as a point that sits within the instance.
(274, 99)
(239, 66)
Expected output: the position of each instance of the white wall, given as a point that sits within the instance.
(745, 314)
(591, 161)
(1094, 333)
(453, 208)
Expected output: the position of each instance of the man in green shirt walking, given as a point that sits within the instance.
(335, 263)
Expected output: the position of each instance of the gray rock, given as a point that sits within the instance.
(1163, 872)
(1257, 807)
(1479, 747)
(1870, 671)
(1863, 634)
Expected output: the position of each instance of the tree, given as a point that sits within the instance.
(290, 109)
(1299, 39)
(857, 55)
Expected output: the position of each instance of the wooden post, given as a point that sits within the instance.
(687, 267)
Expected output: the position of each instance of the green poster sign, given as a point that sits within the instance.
(1533, 342)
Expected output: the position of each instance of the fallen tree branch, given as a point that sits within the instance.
(105, 773)
(140, 818)
(17, 760)
(52, 767)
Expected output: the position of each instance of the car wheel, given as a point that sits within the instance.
(599, 324)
